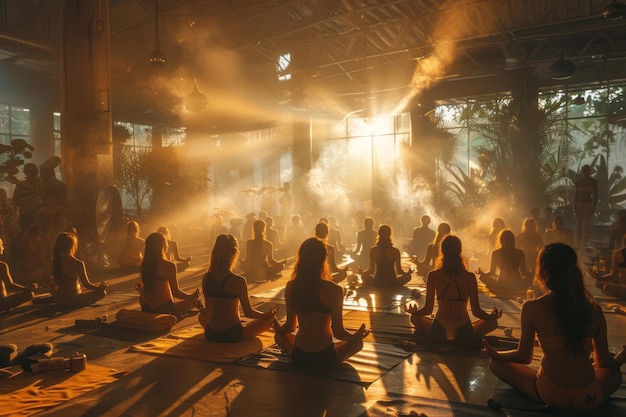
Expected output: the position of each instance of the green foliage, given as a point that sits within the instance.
(16, 153)
(134, 175)
(611, 187)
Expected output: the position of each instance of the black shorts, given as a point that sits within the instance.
(230, 335)
(325, 357)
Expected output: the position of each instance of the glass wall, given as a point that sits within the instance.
(574, 126)
(359, 163)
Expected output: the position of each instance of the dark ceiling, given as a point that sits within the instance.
(342, 51)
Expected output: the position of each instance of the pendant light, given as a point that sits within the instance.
(157, 57)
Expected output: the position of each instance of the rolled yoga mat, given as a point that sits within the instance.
(141, 320)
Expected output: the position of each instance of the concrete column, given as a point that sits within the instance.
(85, 105)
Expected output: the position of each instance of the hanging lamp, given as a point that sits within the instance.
(196, 101)
(157, 58)
(614, 10)
(562, 69)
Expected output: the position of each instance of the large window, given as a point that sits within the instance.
(360, 163)
(14, 124)
(573, 127)
(134, 160)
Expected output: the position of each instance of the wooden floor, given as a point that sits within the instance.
(428, 382)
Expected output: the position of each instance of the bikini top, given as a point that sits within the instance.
(458, 291)
(216, 290)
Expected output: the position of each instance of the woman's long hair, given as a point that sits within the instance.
(384, 237)
(155, 250)
(507, 241)
(224, 253)
(310, 270)
(558, 271)
(529, 226)
(258, 230)
(132, 230)
(450, 260)
(64, 245)
(443, 230)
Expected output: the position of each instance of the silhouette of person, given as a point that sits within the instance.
(558, 233)
(365, 240)
(173, 253)
(224, 292)
(337, 274)
(272, 235)
(530, 241)
(385, 268)
(585, 201)
(235, 229)
(314, 307)
(294, 234)
(159, 287)
(132, 250)
(453, 287)
(422, 236)
(50, 183)
(569, 326)
(432, 250)
(35, 255)
(285, 200)
(260, 264)
(26, 196)
(508, 265)
(70, 285)
(11, 293)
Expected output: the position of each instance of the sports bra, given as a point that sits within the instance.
(458, 291)
(216, 290)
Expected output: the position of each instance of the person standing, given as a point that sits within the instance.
(585, 200)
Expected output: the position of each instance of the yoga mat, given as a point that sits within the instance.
(29, 393)
(53, 310)
(409, 406)
(510, 398)
(365, 367)
(360, 298)
(118, 297)
(190, 343)
(384, 327)
(113, 330)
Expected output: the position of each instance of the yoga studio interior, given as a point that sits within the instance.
(204, 117)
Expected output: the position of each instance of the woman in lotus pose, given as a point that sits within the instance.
(11, 293)
(385, 268)
(508, 265)
(454, 287)
(70, 285)
(314, 306)
(159, 284)
(172, 251)
(132, 251)
(569, 327)
(260, 264)
(223, 293)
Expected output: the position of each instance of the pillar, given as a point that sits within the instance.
(86, 149)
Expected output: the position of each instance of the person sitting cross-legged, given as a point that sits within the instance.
(454, 287)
